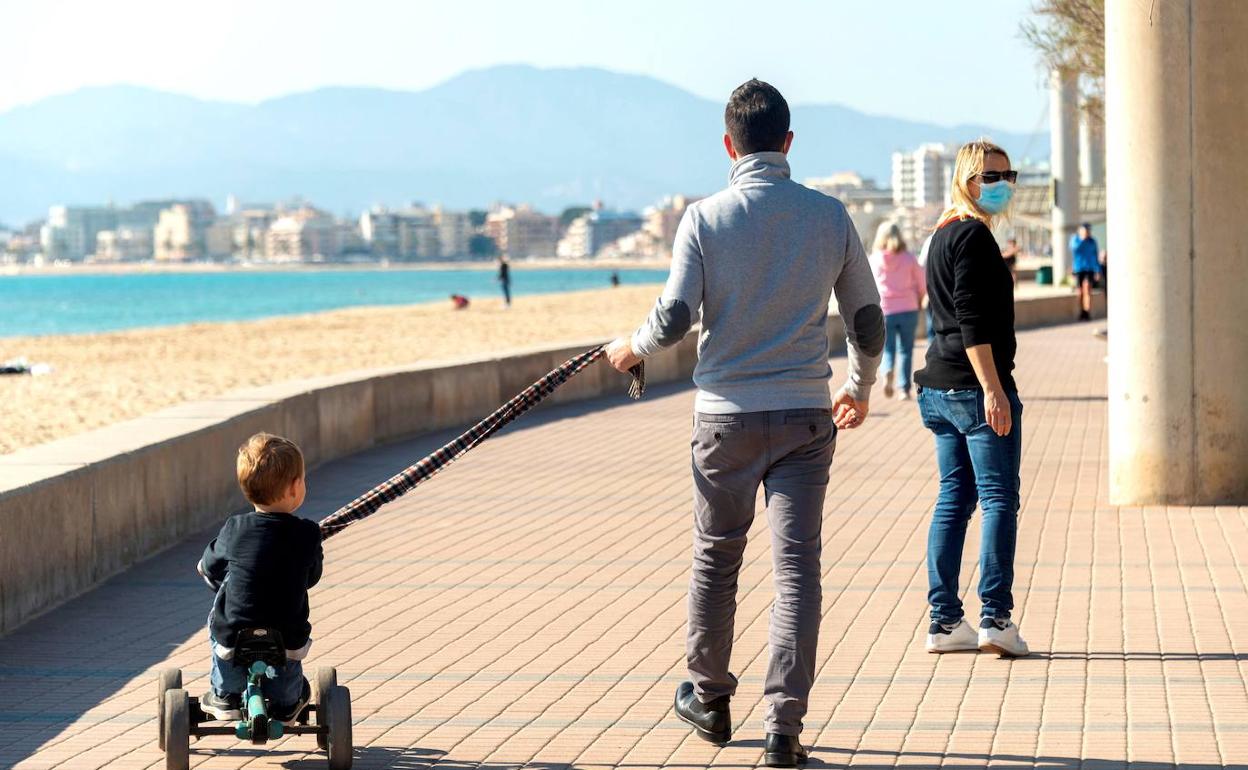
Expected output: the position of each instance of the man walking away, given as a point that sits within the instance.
(760, 260)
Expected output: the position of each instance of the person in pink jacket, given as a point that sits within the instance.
(902, 286)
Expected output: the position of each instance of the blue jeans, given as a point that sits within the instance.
(899, 337)
(228, 677)
(976, 466)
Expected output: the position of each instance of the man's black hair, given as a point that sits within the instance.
(757, 118)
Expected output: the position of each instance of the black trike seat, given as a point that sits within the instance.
(263, 644)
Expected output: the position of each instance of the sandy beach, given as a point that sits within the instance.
(100, 379)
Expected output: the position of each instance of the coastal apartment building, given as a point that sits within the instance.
(589, 234)
(306, 234)
(410, 233)
(74, 232)
(181, 232)
(125, 244)
(653, 240)
(522, 232)
(454, 232)
(70, 232)
(921, 177)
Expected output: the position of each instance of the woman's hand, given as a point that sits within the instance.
(997, 411)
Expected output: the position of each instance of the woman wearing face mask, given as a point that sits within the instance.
(968, 399)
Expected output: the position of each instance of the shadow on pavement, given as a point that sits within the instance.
(1200, 657)
(62, 665)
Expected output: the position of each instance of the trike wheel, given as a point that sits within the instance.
(326, 679)
(169, 679)
(337, 703)
(177, 730)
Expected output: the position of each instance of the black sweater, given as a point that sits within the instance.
(272, 559)
(971, 295)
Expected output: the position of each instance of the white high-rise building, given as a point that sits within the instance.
(921, 177)
(411, 233)
(454, 232)
(70, 231)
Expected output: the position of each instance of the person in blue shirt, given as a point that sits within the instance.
(1086, 267)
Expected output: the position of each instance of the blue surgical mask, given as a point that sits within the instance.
(995, 196)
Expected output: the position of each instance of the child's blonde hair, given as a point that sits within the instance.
(968, 165)
(267, 466)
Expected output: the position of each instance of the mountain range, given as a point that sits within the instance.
(551, 137)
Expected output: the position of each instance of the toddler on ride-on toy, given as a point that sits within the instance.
(261, 566)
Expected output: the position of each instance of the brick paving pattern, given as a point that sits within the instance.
(526, 609)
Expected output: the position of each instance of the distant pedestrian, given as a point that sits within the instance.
(615, 278)
(459, 301)
(1086, 266)
(1010, 255)
(504, 279)
(969, 400)
(927, 303)
(902, 288)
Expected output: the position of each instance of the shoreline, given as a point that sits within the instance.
(155, 268)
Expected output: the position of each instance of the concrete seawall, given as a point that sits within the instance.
(76, 511)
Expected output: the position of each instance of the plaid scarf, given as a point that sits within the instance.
(403, 482)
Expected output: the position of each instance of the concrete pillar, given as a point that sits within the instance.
(1091, 148)
(1064, 160)
(1177, 154)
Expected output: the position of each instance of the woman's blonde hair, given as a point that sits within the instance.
(888, 238)
(969, 164)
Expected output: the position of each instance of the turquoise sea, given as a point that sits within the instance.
(77, 303)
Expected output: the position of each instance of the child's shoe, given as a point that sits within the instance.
(290, 715)
(226, 707)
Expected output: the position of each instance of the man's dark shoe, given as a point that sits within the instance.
(226, 707)
(783, 751)
(711, 721)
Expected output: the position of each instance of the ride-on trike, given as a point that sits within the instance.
(259, 650)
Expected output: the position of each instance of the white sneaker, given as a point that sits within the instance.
(888, 384)
(959, 637)
(903, 395)
(1002, 637)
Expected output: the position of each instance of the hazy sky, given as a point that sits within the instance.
(947, 61)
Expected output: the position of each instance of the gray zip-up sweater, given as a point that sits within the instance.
(760, 260)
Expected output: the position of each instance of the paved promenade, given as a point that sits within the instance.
(526, 609)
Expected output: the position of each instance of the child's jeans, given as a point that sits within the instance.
(282, 692)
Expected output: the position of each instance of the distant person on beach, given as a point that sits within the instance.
(615, 278)
(902, 288)
(969, 401)
(271, 557)
(1010, 255)
(759, 261)
(1086, 266)
(504, 280)
(459, 301)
